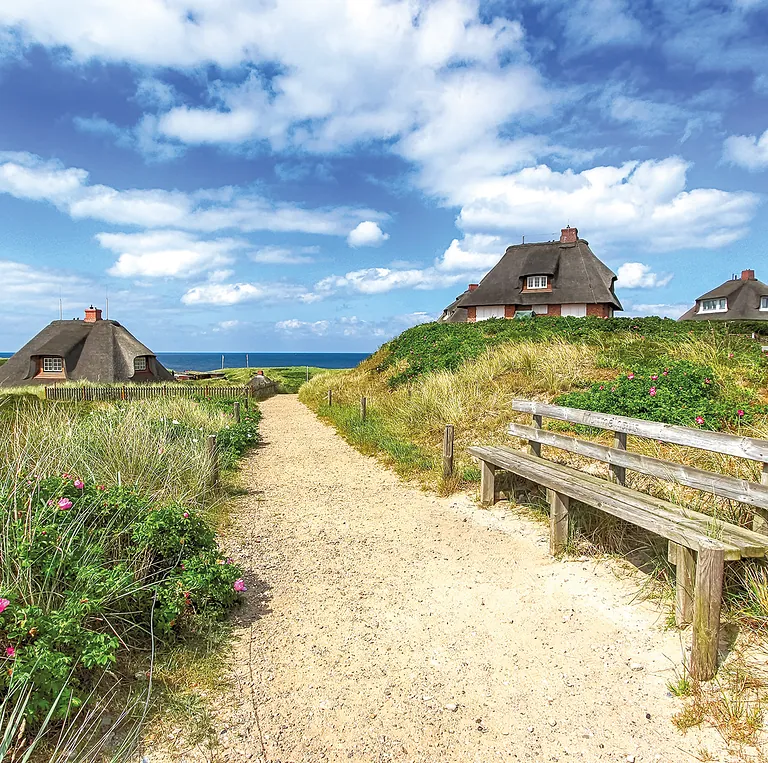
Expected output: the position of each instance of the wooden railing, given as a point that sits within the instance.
(143, 392)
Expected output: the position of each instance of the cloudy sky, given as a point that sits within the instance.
(320, 174)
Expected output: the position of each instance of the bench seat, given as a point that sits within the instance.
(678, 524)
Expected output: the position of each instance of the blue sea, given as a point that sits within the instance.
(210, 361)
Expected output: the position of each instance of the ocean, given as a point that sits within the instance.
(210, 361)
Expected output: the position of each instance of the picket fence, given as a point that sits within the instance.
(143, 392)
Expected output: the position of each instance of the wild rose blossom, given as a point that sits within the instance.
(4, 603)
(101, 487)
(652, 391)
(64, 504)
(707, 381)
(240, 585)
(665, 372)
(186, 515)
(630, 376)
(10, 651)
(79, 484)
(699, 420)
(730, 354)
(739, 413)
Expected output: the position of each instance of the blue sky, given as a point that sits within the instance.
(320, 175)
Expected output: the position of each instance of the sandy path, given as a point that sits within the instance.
(385, 624)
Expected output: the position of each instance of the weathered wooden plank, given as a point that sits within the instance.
(558, 521)
(711, 482)
(749, 543)
(718, 442)
(633, 507)
(619, 473)
(487, 483)
(760, 519)
(448, 451)
(534, 447)
(685, 572)
(707, 598)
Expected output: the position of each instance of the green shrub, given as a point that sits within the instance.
(89, 572)
(676, 393)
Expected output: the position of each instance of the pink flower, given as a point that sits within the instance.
(602, 386)
(64, 504)
(652, 391)
(186, 515)
(665, 372)
(739, 413)
(630, 376)
(10, 651)
(4, 605)
(707, 381)
(101, 487)
(730, 354)
(654, 377)
(699, 420)
(65, 476)
(240, 585)
(229, 560)
(79, 484)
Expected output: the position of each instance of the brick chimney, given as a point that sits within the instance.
(473, 286)
(748, 275)
(92, 314)
(569, 235)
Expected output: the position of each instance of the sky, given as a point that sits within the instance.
(319, 175)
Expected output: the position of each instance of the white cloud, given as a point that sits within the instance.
(353, 326)
(40, 287)
(219, 293)
(169, 253)
(636, 275)
(27, 176)
(382, 280)
(474, 253)
(636, 201)
(747, 151)
(278, 255)
(227, 325)
(206, 126)
(367, 233)
(292, 325)
(664, 310)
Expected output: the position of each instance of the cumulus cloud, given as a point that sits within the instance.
(748, 151)
(353, 326)
(221, 293)
(367, 233)
(27, 176)
(382, 280)
(280, 255)
(170, 253)
(636, 275)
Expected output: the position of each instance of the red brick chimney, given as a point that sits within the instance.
(569, 235)
(92, 314)
(473, 286)
(748, 275)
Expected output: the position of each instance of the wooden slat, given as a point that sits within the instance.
(708, 594)
(558, 521)
(736, 489)
(718, 442)
(487, 483)
(687, 528)
(685, 573)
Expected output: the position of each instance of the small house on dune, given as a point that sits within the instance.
(740, 299)
(92, 350)
(550, 278)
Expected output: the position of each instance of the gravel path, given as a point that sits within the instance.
(386, 624)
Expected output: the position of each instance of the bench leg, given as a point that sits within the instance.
(558, 521)
(684, 581)
(487, 484)
(707, 597)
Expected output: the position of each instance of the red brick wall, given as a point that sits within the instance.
(471, 314)
(599, 311)
(509, 311)
(553, 310)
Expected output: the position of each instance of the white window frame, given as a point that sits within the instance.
(720, 305)
(540, 309)
(486, 312)
(53, 365)
(140, 363)
(537, 282)
(575, 310)
(764, 303)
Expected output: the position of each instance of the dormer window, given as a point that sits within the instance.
(53, 365)
(140, 363)
(537, 282)
(764, 303)
(714, 305)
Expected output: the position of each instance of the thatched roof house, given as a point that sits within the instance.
(740, 299)
(261, 386)
(550, 278)
(83, 350)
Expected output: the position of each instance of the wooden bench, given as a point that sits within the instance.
(699, 544)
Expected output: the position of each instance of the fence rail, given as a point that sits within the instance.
(143, 392)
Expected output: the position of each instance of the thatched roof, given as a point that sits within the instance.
(743, 299)
(577, 276)
(96, 351)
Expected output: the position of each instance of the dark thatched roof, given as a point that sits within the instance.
(454, 313)
(578, 277)
(743, 301)
(100, 351)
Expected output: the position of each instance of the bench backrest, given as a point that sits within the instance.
(745, 491)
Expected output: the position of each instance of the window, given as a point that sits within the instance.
(764, 303)
(537, 282)
(140, 363)
(484, 312)
(573, 311)
(53, 365)
(714, 305)
(540, 309)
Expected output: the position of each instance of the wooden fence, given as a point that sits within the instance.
(144, 392)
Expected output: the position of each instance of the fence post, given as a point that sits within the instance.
(363, 408)
(448, 451)
(213, 456)
(237, 412)
(618, 474)
(330, 398)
